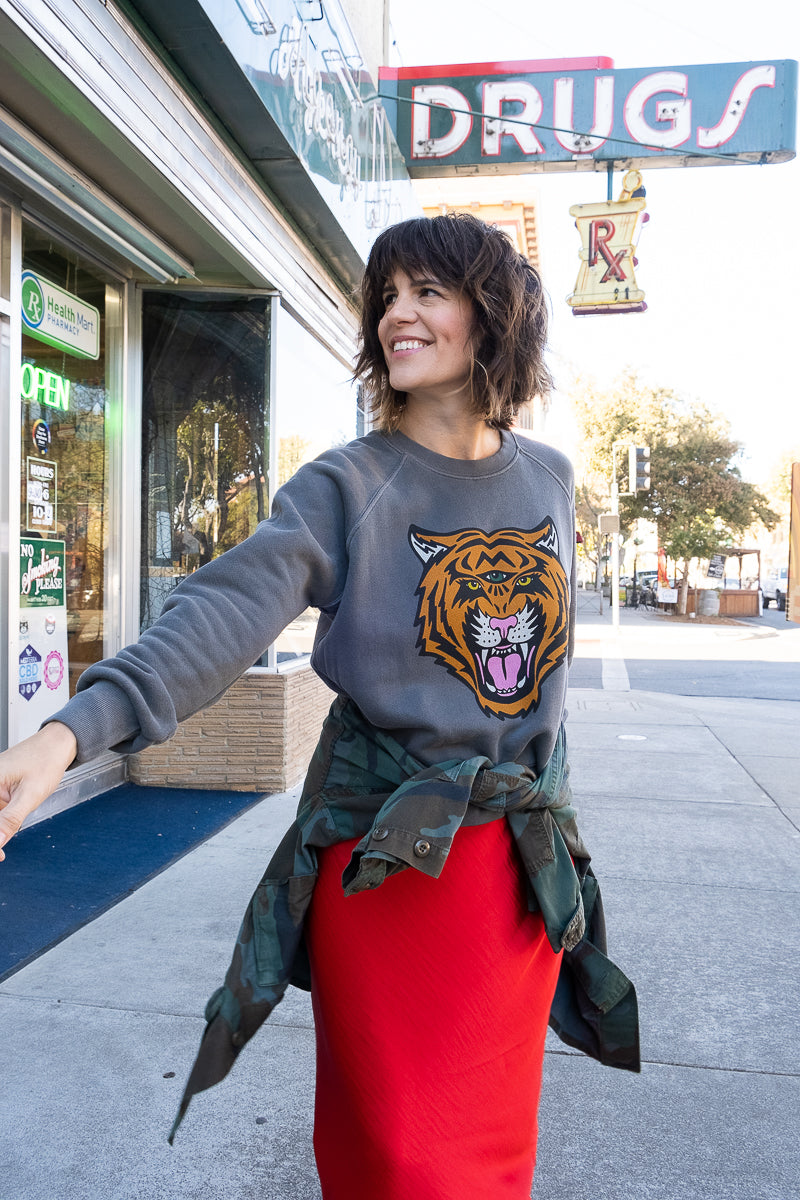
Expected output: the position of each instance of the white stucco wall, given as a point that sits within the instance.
(369, 20)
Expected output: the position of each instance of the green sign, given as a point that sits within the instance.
(45, 387)
(58, 318)
(41, 573)
(572, 115)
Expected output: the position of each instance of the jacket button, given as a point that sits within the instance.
(380, 833)
(421, 848)
(238, 1038)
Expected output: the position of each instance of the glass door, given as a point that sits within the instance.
(9, 233)
(64, 473)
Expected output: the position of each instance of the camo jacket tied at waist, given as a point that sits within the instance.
(362, 783)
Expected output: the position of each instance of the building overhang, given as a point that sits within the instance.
(296, 98)
(101, 134)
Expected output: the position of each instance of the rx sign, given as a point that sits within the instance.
(606, 281)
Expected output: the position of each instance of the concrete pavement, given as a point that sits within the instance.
(691, 807)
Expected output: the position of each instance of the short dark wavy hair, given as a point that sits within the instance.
(477, 261)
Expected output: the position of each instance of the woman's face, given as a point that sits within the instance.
(426, 334)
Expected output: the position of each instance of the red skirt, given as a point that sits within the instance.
(431, 999)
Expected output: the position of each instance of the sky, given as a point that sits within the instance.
(720, 256)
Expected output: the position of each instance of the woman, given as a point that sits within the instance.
(427, 890)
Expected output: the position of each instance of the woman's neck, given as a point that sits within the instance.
(457, 434)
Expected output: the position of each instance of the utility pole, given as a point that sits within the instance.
(638, 480)
(615, 538)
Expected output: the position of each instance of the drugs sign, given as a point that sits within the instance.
(580, 114)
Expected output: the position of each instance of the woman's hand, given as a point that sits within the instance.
(29, 772)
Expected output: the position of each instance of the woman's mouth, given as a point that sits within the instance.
(408, 345)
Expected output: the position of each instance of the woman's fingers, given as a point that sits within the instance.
(11, 819)
(29, 773)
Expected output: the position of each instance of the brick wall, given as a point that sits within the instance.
(258, 737)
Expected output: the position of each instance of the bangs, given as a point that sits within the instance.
(420, 247)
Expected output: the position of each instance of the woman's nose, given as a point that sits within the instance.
(403, 308)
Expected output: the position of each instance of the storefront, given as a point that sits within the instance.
(176, 335)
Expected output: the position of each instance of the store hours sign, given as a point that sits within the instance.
(41, 489)
(42, 656)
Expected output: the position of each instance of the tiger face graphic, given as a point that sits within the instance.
(493, 610)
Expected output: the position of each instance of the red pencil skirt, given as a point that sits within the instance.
(431, 999)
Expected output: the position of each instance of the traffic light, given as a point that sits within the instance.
(638, 469)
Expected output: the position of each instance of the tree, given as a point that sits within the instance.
(293, 451)
(697, 495)
(778, 485)
(621, 413)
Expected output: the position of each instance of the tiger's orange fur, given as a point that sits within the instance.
(493, 609)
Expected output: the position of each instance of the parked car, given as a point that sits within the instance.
(647, 579)
(775, 587)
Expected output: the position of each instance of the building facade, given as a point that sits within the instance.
(187, 195)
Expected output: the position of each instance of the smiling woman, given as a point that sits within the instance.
(488, 313)
(433, 888)
(426, 337)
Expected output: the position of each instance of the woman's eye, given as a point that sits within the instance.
(388, 299)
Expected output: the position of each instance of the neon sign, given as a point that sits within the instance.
(45, 387)
(606, 281)
(567, 115)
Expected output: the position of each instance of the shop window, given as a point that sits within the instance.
(8, 412)
(64, 463)
(205, 452)
(207, 442)
(316, 408)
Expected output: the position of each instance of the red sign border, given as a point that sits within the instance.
(522, 67)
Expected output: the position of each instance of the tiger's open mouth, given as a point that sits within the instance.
(504, 649)
(508, 666)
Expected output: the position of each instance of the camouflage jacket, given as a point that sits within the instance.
(362, 783)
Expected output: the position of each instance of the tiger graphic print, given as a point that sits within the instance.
(493, 609)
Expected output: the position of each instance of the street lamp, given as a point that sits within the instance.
(637, 543)
(639, 480)
(615, 540)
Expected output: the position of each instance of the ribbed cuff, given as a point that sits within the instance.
(101, 717)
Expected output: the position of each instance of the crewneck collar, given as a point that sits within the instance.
(470, 468)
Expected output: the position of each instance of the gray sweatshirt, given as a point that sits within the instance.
(446, 596)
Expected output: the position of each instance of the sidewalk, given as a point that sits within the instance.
(691, 808)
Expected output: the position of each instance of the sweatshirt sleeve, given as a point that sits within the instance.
(573, 591)
(216, 623)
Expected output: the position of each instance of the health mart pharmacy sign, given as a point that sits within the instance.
(58, 318)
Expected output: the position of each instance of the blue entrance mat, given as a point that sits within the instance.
(70, 868)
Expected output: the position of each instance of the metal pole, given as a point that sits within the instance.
(610, 181)
(614, 542)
